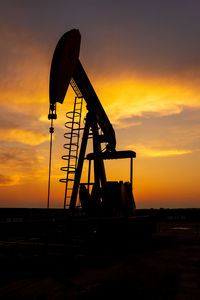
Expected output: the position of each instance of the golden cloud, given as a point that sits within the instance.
(144, 151)
(23, 136)
(139, 97)
(161, 153)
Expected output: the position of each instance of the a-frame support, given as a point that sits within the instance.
(99, 171)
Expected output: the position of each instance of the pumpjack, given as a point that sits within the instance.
(108, 198)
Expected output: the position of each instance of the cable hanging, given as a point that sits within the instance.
(51, 116)
(51, 131)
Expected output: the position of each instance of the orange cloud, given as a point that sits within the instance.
(22, 165)
(8, 180)
(162, 153)
(23, 136)
(146, 151)
(136, 96)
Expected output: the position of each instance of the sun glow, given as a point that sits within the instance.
(125, 98)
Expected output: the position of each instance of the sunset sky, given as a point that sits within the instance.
(143, 59)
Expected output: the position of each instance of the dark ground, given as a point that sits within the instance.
(164, 265)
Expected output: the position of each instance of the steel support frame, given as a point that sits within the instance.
(99, 170)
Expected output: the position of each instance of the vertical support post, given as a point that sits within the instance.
(51, 116)
(80, 164)
(131, 173)
(99, 170)
(51, 130)
(89, 169)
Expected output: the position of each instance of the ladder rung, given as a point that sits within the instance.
(75, 129)
(65, 180)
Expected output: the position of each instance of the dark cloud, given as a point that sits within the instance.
(5, 180)
(13, 117)
(16, 159)
(174, 131)
(25, 65)
(151, 37)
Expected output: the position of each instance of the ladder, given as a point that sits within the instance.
(72, 146)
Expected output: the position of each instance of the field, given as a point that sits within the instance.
(39, 260)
